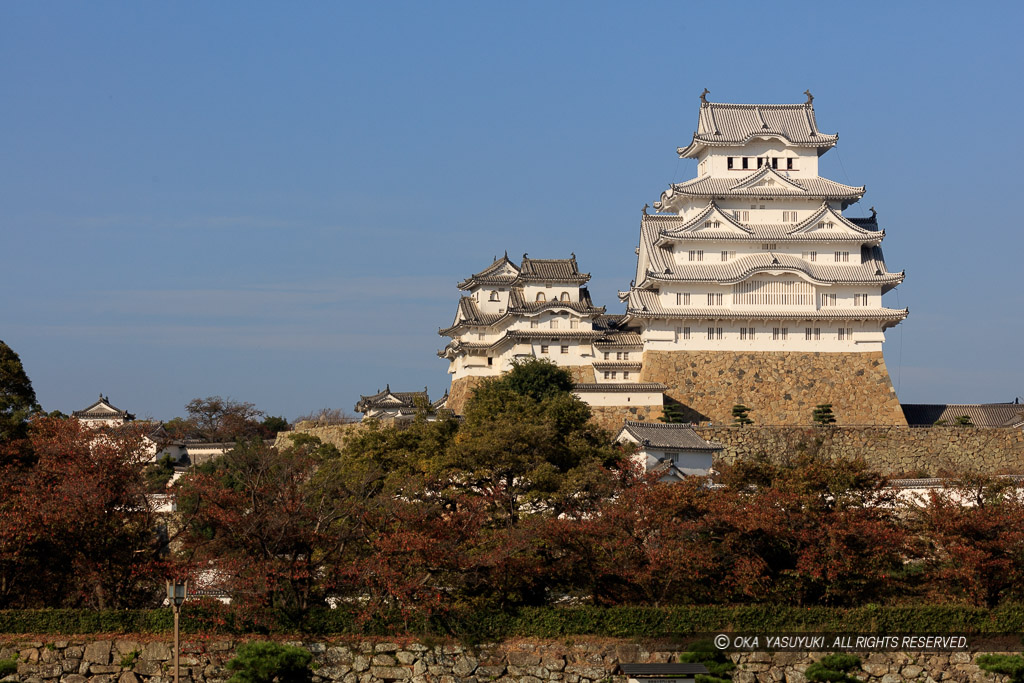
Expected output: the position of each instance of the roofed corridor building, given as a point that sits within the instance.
(752, 287)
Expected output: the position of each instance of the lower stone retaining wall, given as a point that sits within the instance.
(130, 660)
(903, 451)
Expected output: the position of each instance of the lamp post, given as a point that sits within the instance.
(176, 593)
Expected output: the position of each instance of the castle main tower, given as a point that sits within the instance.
(753, 287)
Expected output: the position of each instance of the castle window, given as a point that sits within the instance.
(775, 162)
(846, 333)
(729, 162)
(543, 348)
(810, 256)
(780, 333)
(534, 324)
(686, 333)
(606, 355)
(747, 333)
(828, 300)
(742, 216)
(789, 164)
(789, 216)
(614, 375)
(696, 255)
(490, 361)
(860, 299)
(480, 336)
(714, 333)
(842, 256)
(760, 162)
(574, 324)
(746, 162)
(565, 296)
(725, 256)
(625, 375)
(493, 297)
(715, 299)
(625, 355)
(682, 299)
(565, 348)
(769, 246)
(554, 324)
(541, 297)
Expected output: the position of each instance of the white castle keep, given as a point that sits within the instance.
(751, 287)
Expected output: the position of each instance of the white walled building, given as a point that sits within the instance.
(755, 254)
(752, 287)
(675, 450)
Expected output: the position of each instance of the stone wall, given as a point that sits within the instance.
(136, 660)
(779, 387)
(612, 417)
(901, 451)
(460, 392)
(338, 435)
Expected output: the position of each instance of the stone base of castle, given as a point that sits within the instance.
(780, 388)
(612, 417)
(462, 388)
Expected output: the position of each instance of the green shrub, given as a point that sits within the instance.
(718, 665)
(1009, 665)
(8, 666)
(128, 660)
(833, 668)
(268, 662)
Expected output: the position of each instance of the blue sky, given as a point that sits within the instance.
(274, 201)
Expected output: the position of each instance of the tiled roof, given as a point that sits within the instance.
(871, 272)
(721, 124)
(102, 409)
(551, 270)
(617, 365)
(617, 387)
(646, 304)
(495, 274)
(470, 315)
(615, 339)
(981, 414)
(765, 182)
(668, 436)
(673, 227)
(390, 399)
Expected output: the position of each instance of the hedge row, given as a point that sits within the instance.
(544, 622)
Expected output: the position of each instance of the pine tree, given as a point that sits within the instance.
(17, 398)
(823, 414)
(739, 415)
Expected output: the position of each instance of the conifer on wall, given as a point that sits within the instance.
(823, 414)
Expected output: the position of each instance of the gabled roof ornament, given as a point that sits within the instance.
(874, 214)
(644, 210)
(525, 255)
(704, 96)
(810, 97)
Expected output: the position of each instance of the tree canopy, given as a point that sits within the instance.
(17, 398)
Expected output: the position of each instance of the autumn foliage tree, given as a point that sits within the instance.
(76, 528)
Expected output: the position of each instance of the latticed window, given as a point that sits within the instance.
(714, 299)
(773, 293)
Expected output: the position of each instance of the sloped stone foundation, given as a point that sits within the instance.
(780, 388)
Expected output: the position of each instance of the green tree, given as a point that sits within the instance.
(718, 665)
(1008, 665)
(268, 662)
(823, 415)
(740, 416)
(964, 421)
(833, 667)
(17, 398)
(273, 424)
(673, 413)
(528, 444)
